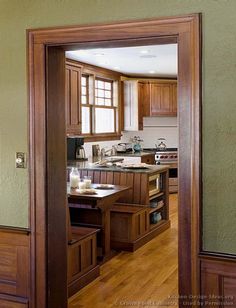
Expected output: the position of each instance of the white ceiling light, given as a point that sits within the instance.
(144, 51)
(99, 54)
(152, 72)
(147, 56)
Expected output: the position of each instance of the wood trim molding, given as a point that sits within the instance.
(94, 70)
(187, 31)
(14, 230)
(217, 256)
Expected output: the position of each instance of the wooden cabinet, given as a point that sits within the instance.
(131, 110)
(73, 99)
(143, 102)
(148, 159)
(148, 99)
(174, 98)
(163, 99)
(136, 104)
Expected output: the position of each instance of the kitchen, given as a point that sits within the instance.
(141, 106)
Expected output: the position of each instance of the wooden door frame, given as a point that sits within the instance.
(47, 186)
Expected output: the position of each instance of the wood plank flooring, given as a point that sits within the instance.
(146, 278)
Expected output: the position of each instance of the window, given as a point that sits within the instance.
(103, 93)
(104, 109)
(85, 107)
(84, 89)
(98, 105)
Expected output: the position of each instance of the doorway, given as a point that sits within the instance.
(47, 144)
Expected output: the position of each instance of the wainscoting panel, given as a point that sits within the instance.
(14, 268)
(218, 282)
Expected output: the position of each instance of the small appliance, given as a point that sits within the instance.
(124, 147)
(161, 145)
(75, 149)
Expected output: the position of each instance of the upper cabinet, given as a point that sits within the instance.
(163, 99)
(73, 99)
(148, 99)
(136, 104)
(131, 110)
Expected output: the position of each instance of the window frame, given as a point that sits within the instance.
(100, 136)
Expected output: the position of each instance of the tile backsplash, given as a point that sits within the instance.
(154, 128)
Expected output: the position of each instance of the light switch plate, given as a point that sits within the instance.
(20, 160)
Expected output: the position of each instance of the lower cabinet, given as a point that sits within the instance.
(148, 159)
(82, 258)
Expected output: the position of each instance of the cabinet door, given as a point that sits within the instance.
(148, 159)
(73, 99)
(174, 99)
(131, 105)
(143, 102)
(161, 99)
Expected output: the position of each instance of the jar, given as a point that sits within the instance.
(87, 181)
(74, 178)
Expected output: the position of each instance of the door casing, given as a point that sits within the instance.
(47, 146)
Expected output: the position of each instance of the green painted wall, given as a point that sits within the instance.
(219, 92)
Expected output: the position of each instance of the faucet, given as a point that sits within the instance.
(104, 152)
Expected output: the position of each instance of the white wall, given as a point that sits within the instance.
(154, 128)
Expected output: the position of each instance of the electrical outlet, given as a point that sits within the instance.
(20, 160)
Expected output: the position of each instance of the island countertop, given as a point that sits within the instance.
(135, 154)
(86, 165)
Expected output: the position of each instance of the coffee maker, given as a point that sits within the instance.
(75, 149)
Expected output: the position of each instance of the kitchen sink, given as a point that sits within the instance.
(113, 159)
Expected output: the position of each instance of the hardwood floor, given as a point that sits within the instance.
(145, 278)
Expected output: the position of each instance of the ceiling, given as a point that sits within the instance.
(148, 61)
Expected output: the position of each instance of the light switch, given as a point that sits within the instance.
(20, 160)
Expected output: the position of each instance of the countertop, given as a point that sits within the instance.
(86, 165)
(135, 154)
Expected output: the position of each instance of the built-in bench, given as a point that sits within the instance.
(129, 225)
(82, 257)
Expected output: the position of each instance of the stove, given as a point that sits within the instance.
(169, 156)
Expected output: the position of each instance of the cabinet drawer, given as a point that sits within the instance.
(148, 159)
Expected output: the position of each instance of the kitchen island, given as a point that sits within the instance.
(142, 212)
